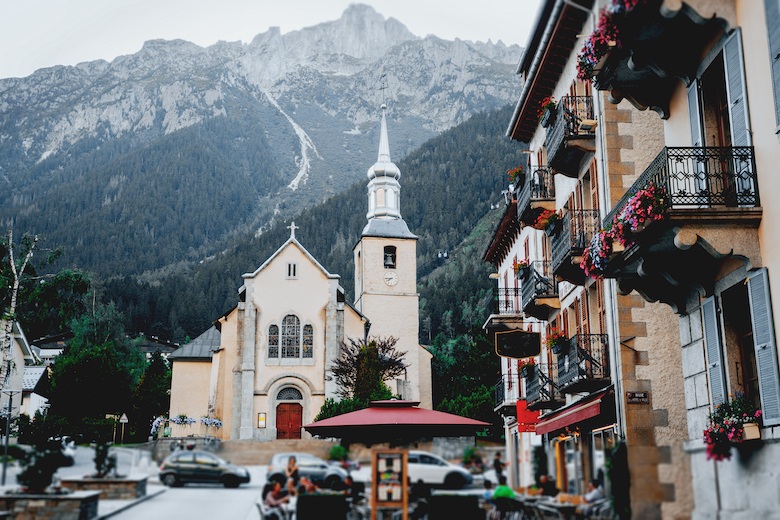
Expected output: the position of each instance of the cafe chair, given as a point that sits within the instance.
(548, 513)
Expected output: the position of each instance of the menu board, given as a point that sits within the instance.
(389, 470)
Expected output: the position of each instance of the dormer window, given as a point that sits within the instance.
(292, 270)
(390, 257)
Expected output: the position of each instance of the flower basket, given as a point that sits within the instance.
(545, 219)
(553, 226)
(527, 370)
(732, 422)
(522, 268)
(558, 342)
(516, 176)
(548, 117)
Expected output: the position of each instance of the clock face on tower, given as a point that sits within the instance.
(391, 278)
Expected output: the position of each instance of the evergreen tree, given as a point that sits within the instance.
(151, 397)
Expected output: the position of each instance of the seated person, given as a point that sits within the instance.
(594, 496)
(419, 495)
(307, 486)
(502, 490)
(548, 486)
(276, 497)
(487, 494)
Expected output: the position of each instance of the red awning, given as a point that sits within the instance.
(581, 410)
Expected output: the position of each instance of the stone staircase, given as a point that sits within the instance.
(253, 452)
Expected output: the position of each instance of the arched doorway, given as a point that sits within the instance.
(289, 415)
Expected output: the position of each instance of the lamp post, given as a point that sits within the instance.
(10, 394)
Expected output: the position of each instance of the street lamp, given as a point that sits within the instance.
(10, 394)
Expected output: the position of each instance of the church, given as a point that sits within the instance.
(262, 371)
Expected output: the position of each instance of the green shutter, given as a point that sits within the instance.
(714, 351)
(766, 347)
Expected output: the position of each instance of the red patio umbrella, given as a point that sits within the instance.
(396, 422)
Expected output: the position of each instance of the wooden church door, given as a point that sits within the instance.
(289, 421)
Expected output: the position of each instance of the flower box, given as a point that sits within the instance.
(750, 432)
(548, 117)
(527, 370)
(553, 227)
(560, 347)
(522, 272)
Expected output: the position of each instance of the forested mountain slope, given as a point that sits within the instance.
(447, 186)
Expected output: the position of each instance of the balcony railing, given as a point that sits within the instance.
(539, 188)
(700, 177)
(507, 390)
(541, 392)
(585, 366)
(572, 111)
(539, 290)
(507, 301)
(577, 228)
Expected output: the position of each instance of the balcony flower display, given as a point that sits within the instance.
(604, 38)
(547, 219)
(645, 206)
(596, 256)
(558, 342)
(520, 268)
(515, 174)
(526, 366)
(547, 110)
(727, 425)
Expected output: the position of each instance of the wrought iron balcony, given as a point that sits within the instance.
(541, 391)
(576, 230)
(536, 194)
(507, 301)
(570, 137)
(700, 177)
(539, 290)
(584, 367)
(507, 391)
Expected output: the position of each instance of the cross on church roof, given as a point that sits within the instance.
(292, 227)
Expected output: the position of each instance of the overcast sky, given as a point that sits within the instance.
(42, 33)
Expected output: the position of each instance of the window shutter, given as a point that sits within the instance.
(714, 352)
(773, 33)
(766, 349)
(694, 113)
(735, 89)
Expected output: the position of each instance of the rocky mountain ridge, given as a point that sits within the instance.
(74, 141)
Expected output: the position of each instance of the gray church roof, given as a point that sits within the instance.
(387, 228)
(201, 347)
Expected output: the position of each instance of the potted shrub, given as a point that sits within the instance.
(732, 422)
(558, 342)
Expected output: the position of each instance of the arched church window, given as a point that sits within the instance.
(308, 341)
(273, 341)
(389, 257)
(289, 394)
(291, 337)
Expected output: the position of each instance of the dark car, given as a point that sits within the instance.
(317, 470)
(201, 466)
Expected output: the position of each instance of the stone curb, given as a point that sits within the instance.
(133, 503)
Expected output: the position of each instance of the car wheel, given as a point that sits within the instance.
(332, 482)
(171, 480)
(454, 481)
(230, 481)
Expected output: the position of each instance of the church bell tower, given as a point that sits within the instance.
(386, 273)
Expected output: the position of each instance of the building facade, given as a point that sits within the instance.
(263, 369)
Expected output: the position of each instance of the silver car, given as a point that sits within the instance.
(317, 470)
(435, 471)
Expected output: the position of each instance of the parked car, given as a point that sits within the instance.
(435, 471)
(201, 466)
(317, 470)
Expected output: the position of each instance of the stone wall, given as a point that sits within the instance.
(109, 488)
(81, 505)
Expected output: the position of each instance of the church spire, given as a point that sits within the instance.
(384, 190)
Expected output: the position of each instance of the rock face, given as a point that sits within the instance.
(128, 150)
